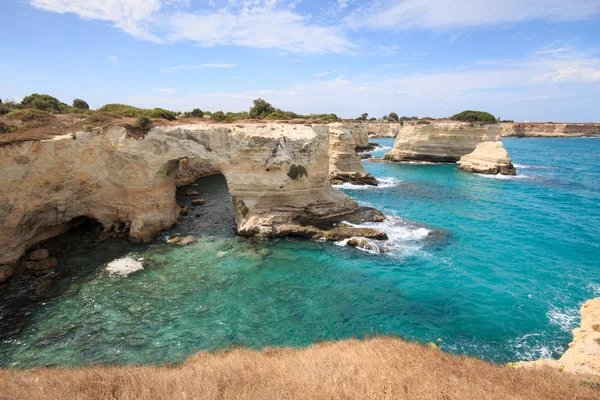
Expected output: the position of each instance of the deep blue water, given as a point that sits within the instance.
(495, 268)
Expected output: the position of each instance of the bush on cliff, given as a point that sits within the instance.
(261, 109)
(278, 115)
(474, 116)
(44, 102)
(125, 110)
(80, 104)
(218, 116)
(392, 116)
(30, 115)
(195, 113)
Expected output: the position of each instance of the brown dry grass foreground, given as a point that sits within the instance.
(380, 368)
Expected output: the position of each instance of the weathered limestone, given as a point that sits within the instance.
(440, 141)
(277, 175)
(344, 164)
(192, 169)
(383, 129)
(488, 158)
(532, 129)
(583, 355)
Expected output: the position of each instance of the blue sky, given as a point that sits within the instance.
(536, 60)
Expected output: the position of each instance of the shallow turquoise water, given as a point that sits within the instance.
(496, 268)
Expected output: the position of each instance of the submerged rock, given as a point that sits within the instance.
(198, 202)
(39, 255)
(40, 267)
(488, 158)
(362, 244)
(191, 193)
(6, 272)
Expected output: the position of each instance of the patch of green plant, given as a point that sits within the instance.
(29, 114)
(393, 116)
(218, 116)
(162, 113)
(125, 110)
(278, 115)
(43, 102)
(80, 104)
(261, 109)
(144, 123)
(474, 116)
(591, 384)
(101, 117)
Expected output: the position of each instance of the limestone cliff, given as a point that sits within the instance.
(277, 175)
(383, 129)
(583, 355)
(528, 129)
(344, 163)
(488, 158)
(440, 141)
(192, 169)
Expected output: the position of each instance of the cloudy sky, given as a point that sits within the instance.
(535, 60)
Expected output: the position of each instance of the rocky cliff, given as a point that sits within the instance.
(583, 355)
(488, 158)
(277, 175)
(528, 129)
(440, 141)
(344, 163)
(383, 129)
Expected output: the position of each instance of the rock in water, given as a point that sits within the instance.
(40, 267)
(362, 244)
(39, 255)
(6, 272)
(344, 163)
(198, 202)
(488, 158)
(440, 141)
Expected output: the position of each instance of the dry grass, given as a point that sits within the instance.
(381, 368)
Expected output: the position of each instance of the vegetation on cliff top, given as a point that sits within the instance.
(380, 368)
(474, 116)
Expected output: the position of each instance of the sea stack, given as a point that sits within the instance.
(440, 141)
(344, 163)
(488, 158)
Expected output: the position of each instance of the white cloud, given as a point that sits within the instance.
(166, 91)
(266, 24)
(129, 15)
(113, 59)
(321, 74)
(192, 67)
(406, 14)
(259, 27)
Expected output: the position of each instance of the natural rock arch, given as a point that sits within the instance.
(277, 175)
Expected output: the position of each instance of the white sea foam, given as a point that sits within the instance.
(594, 288)
(566, 320)
(403, 237)
(504, 177)
(383, 184)
(124, 266)
(522, 166)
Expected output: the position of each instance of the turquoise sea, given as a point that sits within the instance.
(495, 268)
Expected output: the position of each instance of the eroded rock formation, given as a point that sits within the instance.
(344, 163)
(277, 175)
(383, 129)
(440, 141)
(583, 355)
(532, 129)
(192, 169)
(488, 158)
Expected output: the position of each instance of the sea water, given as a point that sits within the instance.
(494, 267)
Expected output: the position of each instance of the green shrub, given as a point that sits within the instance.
(474, 116)
(363, 117)
(197, 113)
(80, 104)
(144, 123)
(393, 116)
(123, 110)
(4, 128)
(278, 115)
(9, 106)
(261, 109)
(162, 113)
(218, 116)
(29, 115)
(44, 102)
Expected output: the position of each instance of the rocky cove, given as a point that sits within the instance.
(96, 164)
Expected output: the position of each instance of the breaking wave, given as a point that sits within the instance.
(383, 184)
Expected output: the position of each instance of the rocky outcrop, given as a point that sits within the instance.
(532, 129)
(440, 141)
(383, 129)
(192, 169)
(488, 158)
(344, 163)
(583, 355)
(277, 175)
